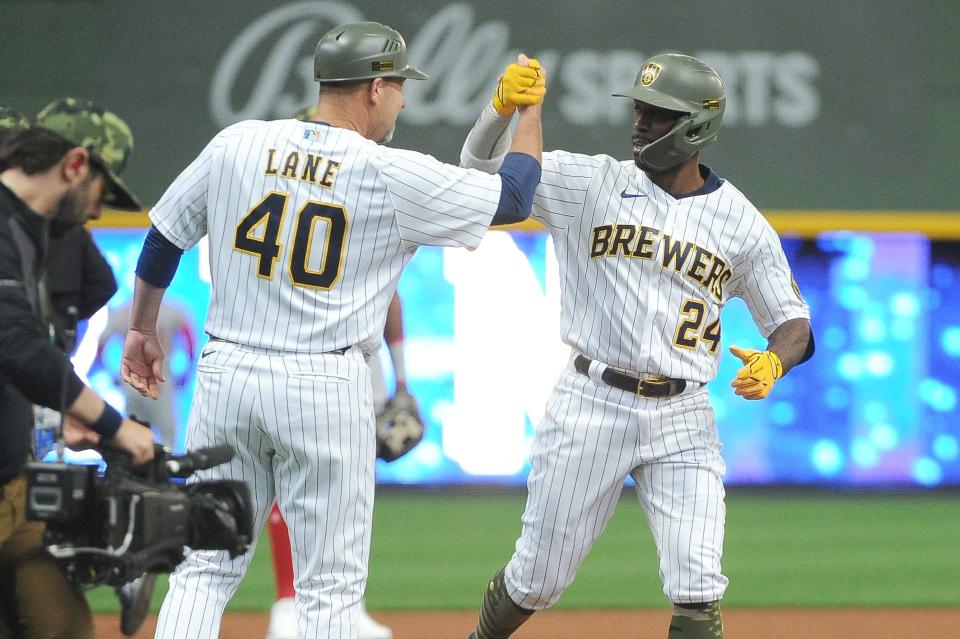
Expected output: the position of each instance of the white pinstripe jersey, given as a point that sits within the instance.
(310, 226)
(644, 275)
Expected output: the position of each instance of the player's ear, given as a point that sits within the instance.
(375, 90)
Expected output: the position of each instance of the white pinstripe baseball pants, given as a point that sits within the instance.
(302, 426)
(591, 438)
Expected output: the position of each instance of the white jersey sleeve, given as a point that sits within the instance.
(488, 141)
(561, 195)
(181, 214)
(764, 281)
(310, 226)
(437, 203)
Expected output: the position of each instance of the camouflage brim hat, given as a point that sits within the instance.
(101, 132)
(11, 121)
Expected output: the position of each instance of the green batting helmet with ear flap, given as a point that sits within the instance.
(362, 51)
(685, 84)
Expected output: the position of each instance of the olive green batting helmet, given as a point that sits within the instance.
(685, 84)
(362, 51)
(103, 134)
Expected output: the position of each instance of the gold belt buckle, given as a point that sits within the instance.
(650, 381)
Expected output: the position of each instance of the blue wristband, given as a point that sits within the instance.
(108, 423)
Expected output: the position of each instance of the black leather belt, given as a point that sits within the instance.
(650, 387)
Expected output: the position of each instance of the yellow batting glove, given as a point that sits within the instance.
(522, 84)
(761, 370)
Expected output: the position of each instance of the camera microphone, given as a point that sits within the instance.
(200, 459)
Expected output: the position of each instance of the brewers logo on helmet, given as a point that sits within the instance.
(649, 73)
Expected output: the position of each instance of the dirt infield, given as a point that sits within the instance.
(881, 623)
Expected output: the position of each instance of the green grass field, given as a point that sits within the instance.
(435, 550)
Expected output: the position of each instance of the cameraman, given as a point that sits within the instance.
(62, 169)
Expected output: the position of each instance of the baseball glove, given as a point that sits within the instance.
(399, 427)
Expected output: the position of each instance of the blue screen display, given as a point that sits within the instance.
(875, 407)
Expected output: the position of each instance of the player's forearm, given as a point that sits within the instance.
(155, 270)
(521, 170)
(791, 341)
(528, 137)
(488, 141)
(145, 307)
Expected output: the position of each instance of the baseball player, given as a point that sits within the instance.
(650, 250)
(310, 225)
(391, 444)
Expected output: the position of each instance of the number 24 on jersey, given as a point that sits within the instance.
(689, 335)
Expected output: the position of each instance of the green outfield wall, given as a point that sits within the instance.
(831, 105)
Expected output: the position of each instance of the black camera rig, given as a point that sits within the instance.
(112, 529)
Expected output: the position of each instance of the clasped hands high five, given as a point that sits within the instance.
(522, 84)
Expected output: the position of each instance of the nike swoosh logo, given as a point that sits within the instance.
(626, 195)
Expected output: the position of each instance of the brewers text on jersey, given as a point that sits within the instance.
(628, 240)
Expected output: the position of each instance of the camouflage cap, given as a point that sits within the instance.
(11, 121)
(101, 132)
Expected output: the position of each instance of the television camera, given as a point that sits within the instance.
(111, 529)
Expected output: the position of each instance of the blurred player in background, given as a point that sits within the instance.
(292, 312)
(176, 334)
(649, 250)
(396, 436)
